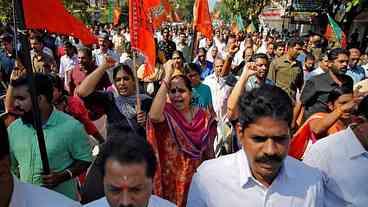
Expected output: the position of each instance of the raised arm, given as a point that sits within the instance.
(89, 84)
(158, 104)
(234, 48)
(238, 90)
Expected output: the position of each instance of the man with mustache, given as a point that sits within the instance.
(68, 150)
(128, 164)
(315, 93)
(261, 173)
(15, 193)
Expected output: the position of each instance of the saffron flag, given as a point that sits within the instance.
(142, 14)
(117, 13)
(161, 12)
(52, 16)
(335, 33)
(202, 19)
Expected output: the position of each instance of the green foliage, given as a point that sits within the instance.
(5, 10)
(184, 8)
(248, 9)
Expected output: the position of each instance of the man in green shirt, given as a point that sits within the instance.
(68, 150)
(286, 72)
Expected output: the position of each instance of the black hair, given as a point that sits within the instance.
(363, 108)
(309, 56)
(38, 38)
(187, 82)
(345, 88)
(178, 53)
(295, 41)
(265, 101)
(124, 68)
(86, 51)
(42, 82)
(202, 50)
(279, 44)
(334, 53)
(192, 67)
(4, 140)
(259, 56)
(129, 148)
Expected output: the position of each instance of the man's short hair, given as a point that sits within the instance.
(280, 44)
(265, 101)
(259, 56)
(42, 82)
(309, 56)
(129, 148)
(345, 88)
(363, 108)
(4, 140)
(86, 51)
(295, 41)
(38, 39)
(334, 53)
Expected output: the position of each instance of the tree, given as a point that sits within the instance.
(248, 9)
(184, 8)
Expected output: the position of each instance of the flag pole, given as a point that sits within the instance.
(136, 81)
(194, 44)
(26, 60)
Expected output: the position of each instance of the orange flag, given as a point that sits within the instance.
(141, 17)
(52, 16)
(117, 13)
(202, 19)
(161, 12)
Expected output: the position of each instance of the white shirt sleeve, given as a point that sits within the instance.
(195, 196)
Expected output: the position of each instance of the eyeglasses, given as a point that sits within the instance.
(180, 90)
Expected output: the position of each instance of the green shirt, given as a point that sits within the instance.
(286, 75)
(66, 141)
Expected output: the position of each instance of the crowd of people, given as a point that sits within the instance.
(258, 119)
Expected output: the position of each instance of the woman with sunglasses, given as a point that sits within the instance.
(119, 104)
(181, 134)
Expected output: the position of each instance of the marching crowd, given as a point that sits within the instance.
(259, 119)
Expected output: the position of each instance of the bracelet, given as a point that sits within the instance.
(70, 173)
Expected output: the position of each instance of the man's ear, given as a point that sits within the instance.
(239, 130)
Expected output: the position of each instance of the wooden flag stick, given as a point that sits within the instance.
(136, 81)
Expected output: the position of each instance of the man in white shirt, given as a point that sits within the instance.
(128, 164)
(104, 50)
(261, 174)
(67, 61)
(343, 158)
(18, 194)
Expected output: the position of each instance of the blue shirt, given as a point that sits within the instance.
(6, 65)
(206, 71)
(344, 161)
(357, 73)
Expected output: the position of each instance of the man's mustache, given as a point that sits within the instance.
(269, 159)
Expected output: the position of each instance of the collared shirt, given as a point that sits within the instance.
(315, 93)
(344, 161)
(7, 62)
(286, 75)
(66, 141)
(67, 63)
(220, 92)
(201, 96)
(27, 195)
(357, 73)
(228, 181)
(253, 83)
(154, 201)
